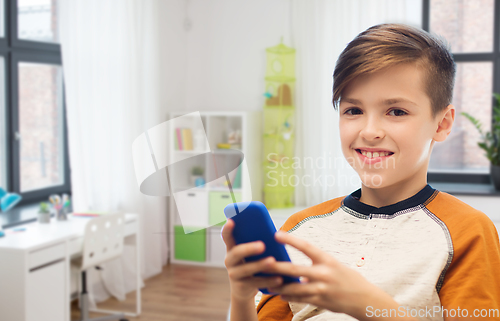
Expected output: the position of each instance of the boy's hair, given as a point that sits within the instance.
(386, 45)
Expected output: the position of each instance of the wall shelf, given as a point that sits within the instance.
(205, 215)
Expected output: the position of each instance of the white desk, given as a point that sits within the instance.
(35, 268)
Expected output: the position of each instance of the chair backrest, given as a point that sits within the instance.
(103, 239)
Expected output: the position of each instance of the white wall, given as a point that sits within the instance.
(414, 12)
(173, 39)
(226, 51)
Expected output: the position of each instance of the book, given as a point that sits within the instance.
(237, 179)
(179, 138)
(187, 139)
(234, 177)
(176, 140)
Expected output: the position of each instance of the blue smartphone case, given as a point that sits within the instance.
(253, 223)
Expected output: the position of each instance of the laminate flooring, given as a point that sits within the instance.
(179, 293)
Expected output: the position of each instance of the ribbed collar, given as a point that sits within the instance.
(352, 202)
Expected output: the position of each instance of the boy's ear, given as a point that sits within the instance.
(446, 119)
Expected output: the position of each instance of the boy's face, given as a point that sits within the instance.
(388, 113)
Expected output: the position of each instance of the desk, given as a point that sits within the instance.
(35, 268)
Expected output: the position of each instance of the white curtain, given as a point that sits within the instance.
(111, 59)
(320, 31)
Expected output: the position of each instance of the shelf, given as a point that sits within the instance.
(288, 162)
(466, 189)
(191, 151)
(227, 151)
(224, 189)
(203, 206)
(189, 187)
(279, 106)
(280, 135)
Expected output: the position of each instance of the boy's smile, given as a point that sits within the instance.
(387, 131)
(373, 155)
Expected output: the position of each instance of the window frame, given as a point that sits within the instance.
(15, 50)
(494, 57)
(23, 43)
(3, 40)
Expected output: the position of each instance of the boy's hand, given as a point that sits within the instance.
(327, 283)
(244, 285)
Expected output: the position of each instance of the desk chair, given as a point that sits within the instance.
(103, 241)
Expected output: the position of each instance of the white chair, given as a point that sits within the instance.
(103, 241)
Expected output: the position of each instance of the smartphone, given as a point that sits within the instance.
(253, 223)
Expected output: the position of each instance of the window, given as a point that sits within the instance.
(34, 157)
(37, 20)
(472, 29)
(3, 123)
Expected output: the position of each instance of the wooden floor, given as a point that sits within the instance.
(180, 292)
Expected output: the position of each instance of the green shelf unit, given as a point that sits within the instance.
(280, 61)
(190, 247)
(217, 202)
(278, 175)
(281, 93)
(275, 117)
(278, 148)
(279, 197)
(279, 127)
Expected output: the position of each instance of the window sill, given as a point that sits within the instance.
(466, 189)
(19, 215)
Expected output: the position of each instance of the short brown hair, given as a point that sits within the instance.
(386, 45)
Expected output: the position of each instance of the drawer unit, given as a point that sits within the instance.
(192, 207)
(46, 255)
(190, 247)
(217, 247)
(46, 286)
(217, 202)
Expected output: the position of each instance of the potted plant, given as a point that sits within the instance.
(196, 172)
(44, 213)
(490, 141)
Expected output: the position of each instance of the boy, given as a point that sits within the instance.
(396, 249)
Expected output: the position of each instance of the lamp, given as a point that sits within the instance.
(8, 200)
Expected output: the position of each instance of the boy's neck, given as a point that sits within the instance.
(379, 197)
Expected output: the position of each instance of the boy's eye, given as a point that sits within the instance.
(353, 111)
(397, 112)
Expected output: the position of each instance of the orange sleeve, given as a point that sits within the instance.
(472, 280)
(272, 308)
(323, 208)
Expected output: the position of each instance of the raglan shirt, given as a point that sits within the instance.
(430, 250)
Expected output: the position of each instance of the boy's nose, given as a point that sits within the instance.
(372, 130)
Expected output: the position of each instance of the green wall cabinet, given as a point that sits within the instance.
(218, 201)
